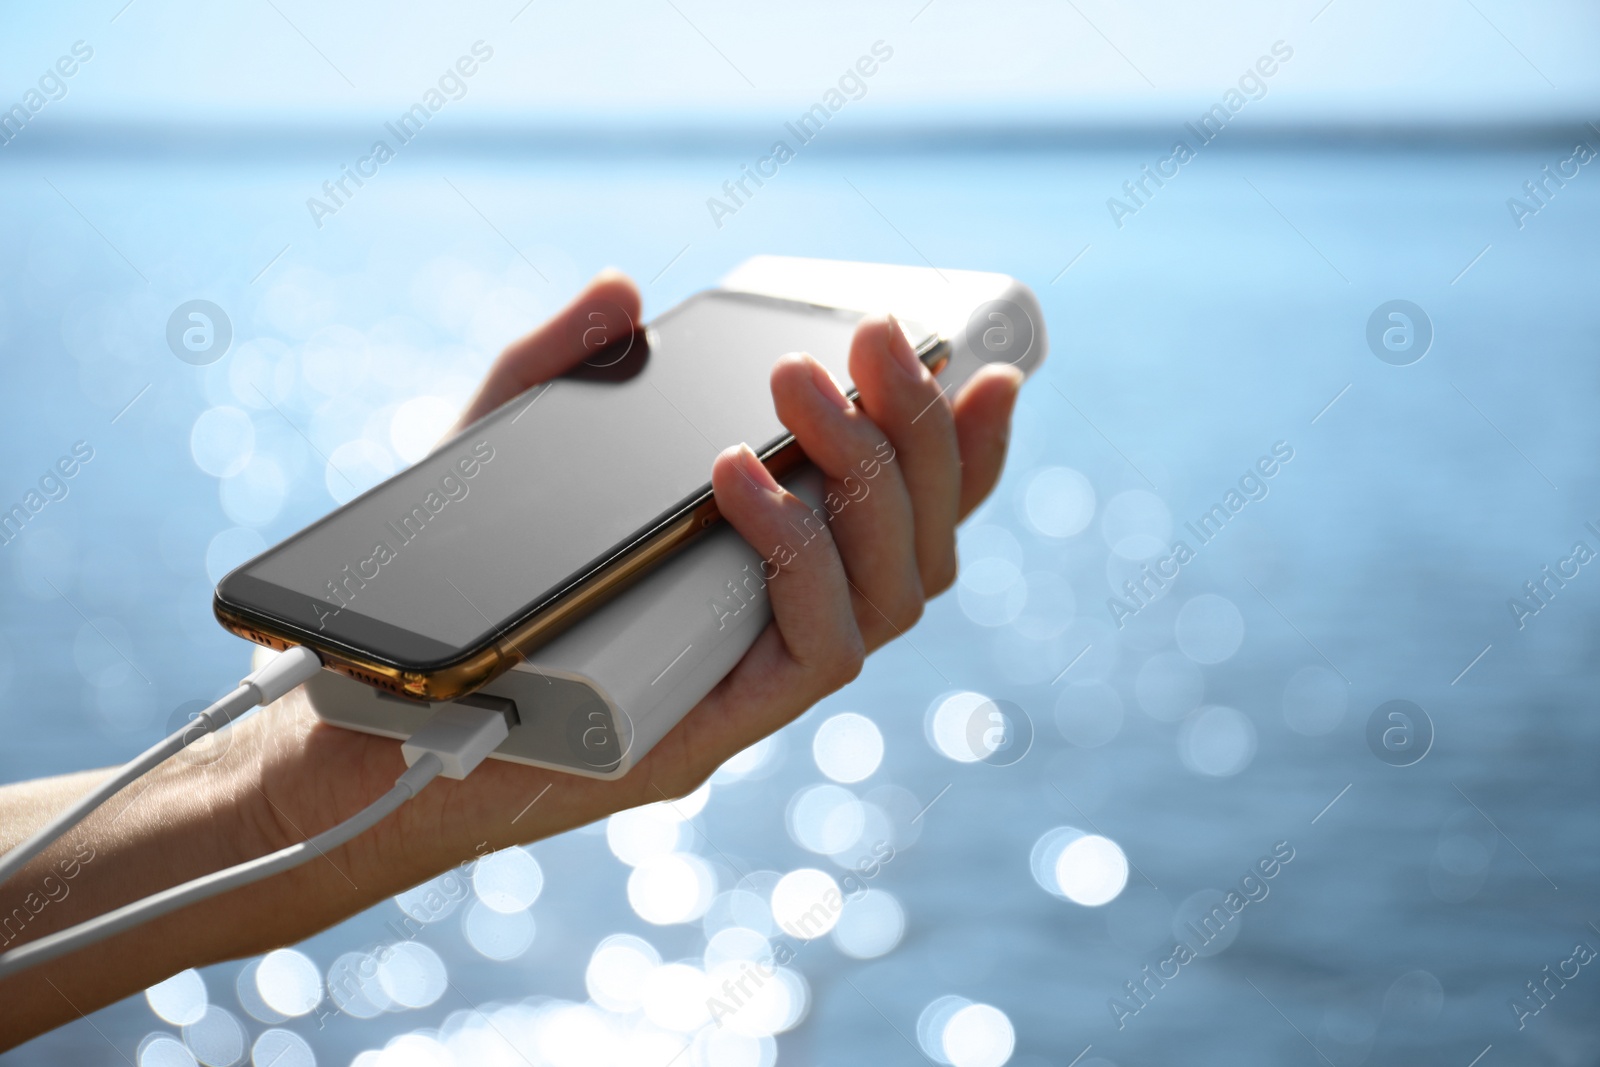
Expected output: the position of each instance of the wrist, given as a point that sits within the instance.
(185, 818)
(299, 777)
(310, 776)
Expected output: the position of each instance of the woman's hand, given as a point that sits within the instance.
(835, 598)
(859, 583)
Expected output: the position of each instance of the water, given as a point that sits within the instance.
(1224, 323)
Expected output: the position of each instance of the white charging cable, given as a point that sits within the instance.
(452, 744)
(273, 680)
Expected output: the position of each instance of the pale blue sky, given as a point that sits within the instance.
(176, 60)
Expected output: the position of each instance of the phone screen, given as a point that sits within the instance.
(505, 516)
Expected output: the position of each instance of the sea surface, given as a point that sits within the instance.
(1429, 858)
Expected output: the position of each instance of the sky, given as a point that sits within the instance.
(164, 62)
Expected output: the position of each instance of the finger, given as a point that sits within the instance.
(909, 405)
(811, 648)
(820, 647)
(760, 694)
(872, 518)
(982, 412)
(608, 304)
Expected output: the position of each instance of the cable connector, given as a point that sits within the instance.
(460, 736)
(282, 673)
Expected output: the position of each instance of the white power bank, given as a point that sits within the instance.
(596, 699)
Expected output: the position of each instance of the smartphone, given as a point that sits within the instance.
(440, 578)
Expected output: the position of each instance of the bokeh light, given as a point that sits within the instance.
(960, 725)
(871, 925)
(978, 1035)
(1058, 502)
(674, 887)
(1217, 741)
(497, 934)
(675, 996)
(412, 974)
(1169, 686)
(354, 988)
(848, 747)
(826, 818)
(806, 903)
(1091, 870)
(249, 995)
(1209, 628)
(281, 1048)
(932, 1021)
(990, 588)
(724, 1048)
(735, 943)
(639, 834)
(229, 548)
(162, 1050)
(222, 441)
(418, 424)
(744, 906)
(289, 982)
(217, 1039)
(617, 971)
(180, 1000)
(1084, 868)
(509, 880)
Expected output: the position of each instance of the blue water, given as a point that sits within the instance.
(1227, 315)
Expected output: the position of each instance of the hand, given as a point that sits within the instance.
(856, 585)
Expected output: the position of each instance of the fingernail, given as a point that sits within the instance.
(900, 350)
(828, 387)
(756, 471)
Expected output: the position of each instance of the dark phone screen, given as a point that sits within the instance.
(506, 515)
